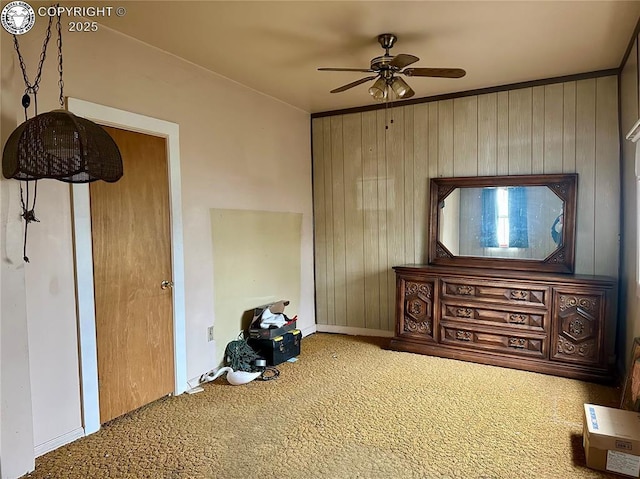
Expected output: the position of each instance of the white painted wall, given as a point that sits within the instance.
(239, 149)
(51, 313)
(16, 424)
(17, 438)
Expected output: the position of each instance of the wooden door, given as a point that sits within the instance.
(131, 258)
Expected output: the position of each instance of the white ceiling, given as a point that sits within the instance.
(275, 47)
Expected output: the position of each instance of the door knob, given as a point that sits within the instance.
(166, 284)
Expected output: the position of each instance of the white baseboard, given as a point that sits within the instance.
(308, 330)
(327, 328)
(57, 442)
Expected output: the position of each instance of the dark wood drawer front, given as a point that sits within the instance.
(577, 335)
(480, 315)
(417, 310)
(551, 323)
(505, 343)
(506, 293)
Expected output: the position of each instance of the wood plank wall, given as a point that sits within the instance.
(371, 173)
(629, 323)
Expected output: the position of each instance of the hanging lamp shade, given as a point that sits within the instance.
(62, 146)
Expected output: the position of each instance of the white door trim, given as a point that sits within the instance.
(84, 256)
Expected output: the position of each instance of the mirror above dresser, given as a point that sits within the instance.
(499, 288)
(505, 222)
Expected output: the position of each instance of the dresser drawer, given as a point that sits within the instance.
(485, 314)
(416, 318)
(577, 335)
(496, 292)
(525, 345)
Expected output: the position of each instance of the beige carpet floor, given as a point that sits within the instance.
(350, 409)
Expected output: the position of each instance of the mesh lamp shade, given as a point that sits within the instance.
(379, 89)
(62, 146)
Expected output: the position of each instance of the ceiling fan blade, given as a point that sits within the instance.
(434, 72)
(345, 70)
(403, 60)
(352, 84)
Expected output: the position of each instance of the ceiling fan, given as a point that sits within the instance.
(386, 69)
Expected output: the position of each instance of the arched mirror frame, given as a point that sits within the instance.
(560, 260)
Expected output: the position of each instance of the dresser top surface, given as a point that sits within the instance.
(504, 274)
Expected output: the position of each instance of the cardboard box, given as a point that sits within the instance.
(256, 332)
(270, 333)
(611, 440)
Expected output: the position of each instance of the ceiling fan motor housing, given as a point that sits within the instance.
(386, 40)
(382, 63)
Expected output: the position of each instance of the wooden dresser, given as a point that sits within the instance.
(551, 323)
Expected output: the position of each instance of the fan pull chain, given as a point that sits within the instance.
(386, 110)
(387, 122)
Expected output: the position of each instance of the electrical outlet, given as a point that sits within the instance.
(210, 333)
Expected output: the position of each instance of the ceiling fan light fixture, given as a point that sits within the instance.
(379, 89)
(400, 88)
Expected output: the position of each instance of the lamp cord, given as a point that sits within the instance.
(270, 373)
(28, 214)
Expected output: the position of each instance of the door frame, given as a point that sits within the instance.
(81, 213)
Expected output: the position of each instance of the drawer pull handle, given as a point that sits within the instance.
(519, 295)
(576, 327)
(463, 335)
(517, 318)
(415, 307)
(518, 343)
(464, 290)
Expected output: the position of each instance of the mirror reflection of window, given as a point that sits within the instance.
(504, 218)
(489, 233)
(502, 202)
(518, 213)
